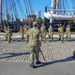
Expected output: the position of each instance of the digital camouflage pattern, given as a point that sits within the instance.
(34, 44)
(50, 32)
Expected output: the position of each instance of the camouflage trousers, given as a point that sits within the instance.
(68, 36)
(61, 36)
(43, 36)
(6, 36)
(50, 36)
(9, 38)
(22, 35)
(27, 38)
(34, 54)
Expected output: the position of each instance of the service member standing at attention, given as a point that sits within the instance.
(21, 31)
(34, 44)
(43, 32)
(9, 34)
(61, 32)
(50, 32)
(68, 33)
(5, 31)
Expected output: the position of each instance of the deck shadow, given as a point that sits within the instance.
(10, 55)
(68, 59)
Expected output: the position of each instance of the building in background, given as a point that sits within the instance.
(39, 14)
(32, 17)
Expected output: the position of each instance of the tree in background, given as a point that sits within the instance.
(39, 20)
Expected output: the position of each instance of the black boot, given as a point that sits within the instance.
(59, 39)
(74, 54)
(9, 41)
(62, 41)
(32, 65)
(38, 62)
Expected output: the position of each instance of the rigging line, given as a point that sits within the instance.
(13, 12)
(26, 7)
(14, 9)
(73, 5)
(11, 7)
(6, 12)
(64, 6)
(24, 10)
(61, 6)
(16, 12)
(48, 4)
(40, 3)
(3, 5)
(21, 10)
(68, 6)
(43, 4)
(6, 6)
(30, 7)
(52, 15)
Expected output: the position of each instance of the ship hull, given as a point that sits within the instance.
(48, 15)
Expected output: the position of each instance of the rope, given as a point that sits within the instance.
(11, 7)
(51, 15)
(68, 5)
(21, 9)
(30, 7)
(26, 8)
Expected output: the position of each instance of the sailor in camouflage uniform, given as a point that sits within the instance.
(43, 32)
(5, 31)
(50, 32)
(34, 44)
(61, 32)
(21, 31)
(25, 32)
(9, 34)
(68, 33)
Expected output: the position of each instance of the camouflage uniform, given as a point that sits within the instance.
(25, 33)
(43, 33)
(50, 30)
(34, 43)
(21, 31)
(9, 34)
(5, 30)
(61, 32)
(68, 34)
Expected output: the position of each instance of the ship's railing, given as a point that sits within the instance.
(60, 11)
